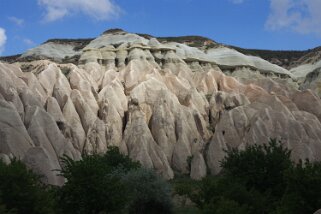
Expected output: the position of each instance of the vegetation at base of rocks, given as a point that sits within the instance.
(189, 162)
(149, 192)
(109, 183)
(259, 179)
(112, 183)
(21, 190)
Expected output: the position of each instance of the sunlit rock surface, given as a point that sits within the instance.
(172, 107)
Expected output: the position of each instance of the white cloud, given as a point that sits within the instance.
(16, 20)
(3, 39)
(97, 9)
(28, 42)
(302, 16)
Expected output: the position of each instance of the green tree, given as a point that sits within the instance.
(21, 190)
(303, 189)
(218, 194)
(259, 179)
(261, 167)
(251, 181)
(149, 192)
(4, 210)
(187, 187)
(94, 184)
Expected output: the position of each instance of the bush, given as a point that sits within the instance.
(216, 193)
(149, 192)
(260, 179)
(109, 183)
(21, 190)
(303, 189)
(94, 183)
(259, 167)
(3, 209)
(112, 183)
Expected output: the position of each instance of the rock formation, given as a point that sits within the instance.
(173, 107)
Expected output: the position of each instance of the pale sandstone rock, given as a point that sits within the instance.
(198, 167)
(61, 89)
(28, 99)
(163, 104)
(141, 145)
(72, 118)
(54, 110)
(10, 87)
(137, 71)
(109, 76)
(112, 111)
(302, 98)
(45, 133)
(317, 212)
(5, 158)
(14, 138)
(78, 82)
(47, 78)
(94, 128)
(33, 84)
(43, 164)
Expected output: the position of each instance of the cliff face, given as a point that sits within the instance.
(161, 103)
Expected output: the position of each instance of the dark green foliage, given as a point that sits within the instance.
(149, 192)
(189, 161)
(218, 194)
(21, 190)
(225, 206)
(187, 187)
(259, 167)
(260, 179)
(94, 184)
(303, 190)
(252, 180)
(116, 160)
(109, 183)
(4, 210)
(112, 183)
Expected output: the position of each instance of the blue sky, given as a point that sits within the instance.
(264, 24)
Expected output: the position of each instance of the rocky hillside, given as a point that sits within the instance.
(171, 106)
(286, 59)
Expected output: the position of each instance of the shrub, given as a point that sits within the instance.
(21, 190)
(94, 183)
(260, 179)
(259, 167)
(303, 189)
(251, 181)
(149, 192)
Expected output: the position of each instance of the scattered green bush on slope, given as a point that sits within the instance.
(112, 183)
(21, 190)
(259, 179)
